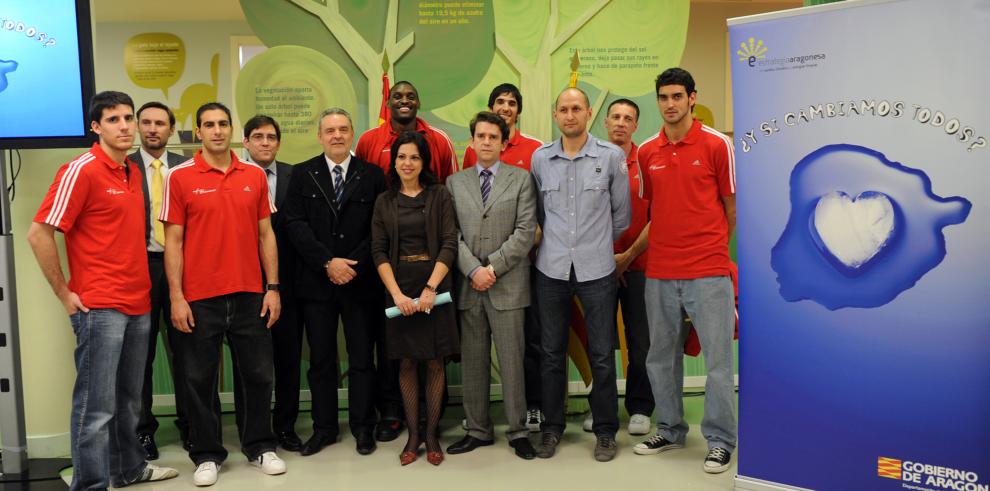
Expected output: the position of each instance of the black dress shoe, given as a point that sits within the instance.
(148, 442)
(316, 442)
(365, 442)
(289, 440)
(524, 449)
(388, 430)
(467, 444)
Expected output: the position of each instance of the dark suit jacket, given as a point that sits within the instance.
(441, 231)
(321, 230)
(286, 251)
(171, 160)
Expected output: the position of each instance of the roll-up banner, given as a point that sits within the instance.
(861, 131)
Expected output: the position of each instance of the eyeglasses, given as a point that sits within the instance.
(259, 137)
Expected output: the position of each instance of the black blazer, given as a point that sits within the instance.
(286, 252)
(321, 230)
(171, 160)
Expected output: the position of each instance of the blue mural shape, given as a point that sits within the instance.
(6, 66)
(862, 229)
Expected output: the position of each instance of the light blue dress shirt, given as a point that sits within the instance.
(582, 207)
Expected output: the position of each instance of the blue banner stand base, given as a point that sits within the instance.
(749, 484)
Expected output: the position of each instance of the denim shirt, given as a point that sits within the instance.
(583, 207)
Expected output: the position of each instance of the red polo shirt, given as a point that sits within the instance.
(220, 213)
(684, 182)
(518, 152)
(100, 208)
(375, 146)
(640, 214)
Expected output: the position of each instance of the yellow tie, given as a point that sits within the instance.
(157, 190)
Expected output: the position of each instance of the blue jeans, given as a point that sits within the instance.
(111, 349)
(598, 302)
(710, 303)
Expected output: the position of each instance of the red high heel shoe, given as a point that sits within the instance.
(434, 458)
(408, 457)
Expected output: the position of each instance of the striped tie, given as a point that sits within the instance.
(338, 183)
(486, 185)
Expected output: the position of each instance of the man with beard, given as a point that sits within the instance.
(156, 123)
(583, 207)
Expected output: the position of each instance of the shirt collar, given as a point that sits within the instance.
(102, 156)
(271, 166)
(147, 158)
(689, 138)
(493, 169)
(421, 127)
(632, 157)
(590, 149)
(343, 165)
(204, 166)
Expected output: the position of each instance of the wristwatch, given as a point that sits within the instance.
(271, 287)
(431, 288)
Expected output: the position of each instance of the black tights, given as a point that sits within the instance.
(409, 386)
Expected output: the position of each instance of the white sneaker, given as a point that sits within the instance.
(269, 463)
(639, 424)
(589, 422)
(206, 474)
(153, 473)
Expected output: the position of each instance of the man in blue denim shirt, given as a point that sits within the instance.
(97, 203)
(583, 207)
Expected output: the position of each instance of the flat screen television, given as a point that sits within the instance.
(46, 73)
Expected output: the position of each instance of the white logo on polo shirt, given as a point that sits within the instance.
(657, 167)
(696, 162)
(203, 191)
(247, 189)
(114, 192)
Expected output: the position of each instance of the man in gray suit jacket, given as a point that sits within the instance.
(156, 123)
(496, 213)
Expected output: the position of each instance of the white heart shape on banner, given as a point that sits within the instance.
(854, 230)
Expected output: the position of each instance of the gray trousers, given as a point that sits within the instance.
(480, 326)
(710, 303)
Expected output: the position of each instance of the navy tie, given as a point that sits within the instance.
(338, 183)
(486, 185)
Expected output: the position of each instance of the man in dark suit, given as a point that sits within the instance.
(156, 123)
(328, 216)
(262, 137)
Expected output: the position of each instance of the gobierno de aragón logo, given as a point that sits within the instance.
(754, 52)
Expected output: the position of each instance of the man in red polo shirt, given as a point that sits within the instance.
(217, 215)
(506, 101)
(621, 122)
(375, 144)
(97, 203)
(688, 176)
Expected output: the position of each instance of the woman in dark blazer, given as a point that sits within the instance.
(414, 245)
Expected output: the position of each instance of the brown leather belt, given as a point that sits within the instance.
(415, 258)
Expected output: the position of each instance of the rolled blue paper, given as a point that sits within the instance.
(442, 298)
